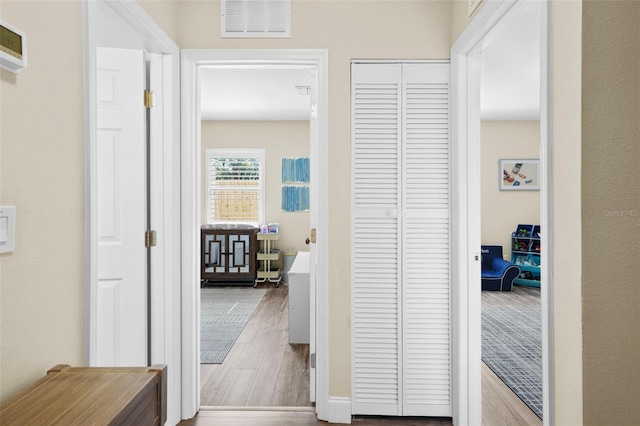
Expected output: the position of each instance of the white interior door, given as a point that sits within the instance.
(401, 320)
(120, 321)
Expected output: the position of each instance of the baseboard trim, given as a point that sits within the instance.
(339, 410)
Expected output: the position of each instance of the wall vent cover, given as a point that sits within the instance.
(255, 18)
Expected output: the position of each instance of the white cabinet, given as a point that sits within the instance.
(299, 306)
(401, 320)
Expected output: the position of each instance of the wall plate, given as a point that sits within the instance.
(7, 228)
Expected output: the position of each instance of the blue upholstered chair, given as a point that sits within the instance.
(497, 273)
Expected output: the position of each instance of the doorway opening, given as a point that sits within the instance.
(193, 64)
(255, 123)
(466, 56)
(510, 232)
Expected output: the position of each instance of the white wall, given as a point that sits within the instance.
(41, 155)
(502, 211)
(566, 142)
(278, 139)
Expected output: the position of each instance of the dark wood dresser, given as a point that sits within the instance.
(91, 396)
(228, 254)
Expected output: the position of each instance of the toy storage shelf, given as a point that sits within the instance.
(266, 256)
(525, 253)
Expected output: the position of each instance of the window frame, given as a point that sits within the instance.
(211, 153)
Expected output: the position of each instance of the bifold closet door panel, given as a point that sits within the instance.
(425, 281)
(376, 269)
(401, 351)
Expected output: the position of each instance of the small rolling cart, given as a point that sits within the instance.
(267, 256)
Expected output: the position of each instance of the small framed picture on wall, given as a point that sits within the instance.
(519, 175)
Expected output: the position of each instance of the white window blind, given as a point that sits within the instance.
(235, 186)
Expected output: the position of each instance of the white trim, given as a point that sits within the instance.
(156, 208)
(546, 219)
(190, 219)
(165, 336)
(400, 61)
(192, 60)
(339, 410)
(465, 97)
(89, 23)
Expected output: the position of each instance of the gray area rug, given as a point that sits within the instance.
(512, 348)
(224, 311)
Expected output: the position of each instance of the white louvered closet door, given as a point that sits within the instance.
(401, 357)
(425, 243)
(376, 132)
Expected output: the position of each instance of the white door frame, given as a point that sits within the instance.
(165, 151)
(192, 60)
(465, 135)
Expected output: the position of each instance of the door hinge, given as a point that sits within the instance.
(314, 110)
(313, 235)
(312, 360)
(149, 99)
(150, 238)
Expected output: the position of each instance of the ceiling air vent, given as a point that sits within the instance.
(256, 18)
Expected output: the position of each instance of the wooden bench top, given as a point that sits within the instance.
(91, 396)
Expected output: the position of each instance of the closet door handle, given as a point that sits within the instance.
(307, 241)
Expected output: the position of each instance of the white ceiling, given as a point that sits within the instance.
(255, 93)
(510, 67)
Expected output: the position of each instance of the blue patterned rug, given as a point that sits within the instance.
(512, 348)
(224, 312)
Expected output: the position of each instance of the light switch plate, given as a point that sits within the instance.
(7, 228)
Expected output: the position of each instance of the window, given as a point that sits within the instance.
(235, 186)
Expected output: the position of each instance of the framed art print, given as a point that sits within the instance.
(519, 175)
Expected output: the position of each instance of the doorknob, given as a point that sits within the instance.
(312, 237)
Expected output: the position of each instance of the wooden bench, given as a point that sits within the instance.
(91, 396)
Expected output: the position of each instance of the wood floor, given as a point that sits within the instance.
(262, 368)
(264, 380)
(519, 295)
